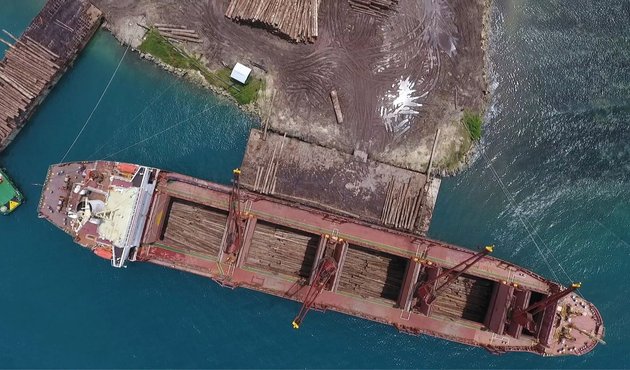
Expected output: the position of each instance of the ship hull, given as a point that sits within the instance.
(187, 225)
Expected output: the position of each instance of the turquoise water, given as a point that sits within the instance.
(557, 137)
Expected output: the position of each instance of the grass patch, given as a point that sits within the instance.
(162, 49)
(472, 122)
(156, 45)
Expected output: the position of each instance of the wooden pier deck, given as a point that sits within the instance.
(339, 182)
(36, 61)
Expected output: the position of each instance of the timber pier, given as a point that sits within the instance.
(35, 62)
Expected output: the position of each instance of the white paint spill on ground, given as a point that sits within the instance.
(399, 106)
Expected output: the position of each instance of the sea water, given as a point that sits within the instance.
(549, 188)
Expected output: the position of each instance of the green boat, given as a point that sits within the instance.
(10, 196)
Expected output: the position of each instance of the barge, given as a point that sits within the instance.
(37, 60)
(130, 213)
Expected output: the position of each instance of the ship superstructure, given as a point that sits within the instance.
(125, 212)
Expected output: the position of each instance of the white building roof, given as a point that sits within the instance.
(240, 73)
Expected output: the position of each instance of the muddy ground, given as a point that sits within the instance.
(398, 78)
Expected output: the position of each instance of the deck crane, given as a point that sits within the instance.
(325, 272)
(235, 228)
(525, 317)
(425, 293)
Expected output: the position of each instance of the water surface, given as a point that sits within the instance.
(557, 137)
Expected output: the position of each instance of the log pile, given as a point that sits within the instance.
(403, 204)
(25, 72)
(295, 19)
(376, 8)
(177, 33)
(372, 274)
(467, 298)
(34, 62)
(267, 175)
(282, 250)
(195, 228)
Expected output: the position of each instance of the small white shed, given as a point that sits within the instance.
(240, 73)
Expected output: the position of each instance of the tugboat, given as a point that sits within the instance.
(10, 196)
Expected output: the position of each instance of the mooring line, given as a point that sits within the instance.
(531, 232)
(146, 107)
(160, 132)
(96, 106)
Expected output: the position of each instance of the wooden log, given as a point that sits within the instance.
(42, 47)
(335, 100)
(16, 86)
(388, 195)
(167, 25)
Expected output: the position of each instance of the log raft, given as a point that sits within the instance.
(295, 19)
(34, 62)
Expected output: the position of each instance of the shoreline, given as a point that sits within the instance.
(192, 76)
(261, 109)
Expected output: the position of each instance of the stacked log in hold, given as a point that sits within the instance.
(377, 8)
(24, 73)
(296, 19)
(34, 63)
(177, 33)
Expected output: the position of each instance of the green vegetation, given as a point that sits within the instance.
(244, 94)
(156, 45)
(161, 48)
(472, 122)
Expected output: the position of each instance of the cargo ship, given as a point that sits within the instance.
(10, 196)
(129, 213)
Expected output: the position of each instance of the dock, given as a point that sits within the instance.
(36, 60)
(339, 182)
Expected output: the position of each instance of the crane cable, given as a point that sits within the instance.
(96, 106)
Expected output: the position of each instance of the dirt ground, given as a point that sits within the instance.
(398, 78)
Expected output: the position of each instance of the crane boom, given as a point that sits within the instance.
(425, 291)
(326, 270)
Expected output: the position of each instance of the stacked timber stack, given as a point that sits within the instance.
(24, 73)
(403, 204)
(377, 8)
(296, 19)
(34, 63)
(177, 33)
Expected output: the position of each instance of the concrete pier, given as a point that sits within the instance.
(338, 182)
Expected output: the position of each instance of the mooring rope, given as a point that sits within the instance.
(531, 231)
(146, 107)
(159, 132)
(96, 106)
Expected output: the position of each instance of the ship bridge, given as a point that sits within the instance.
(126, 211)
